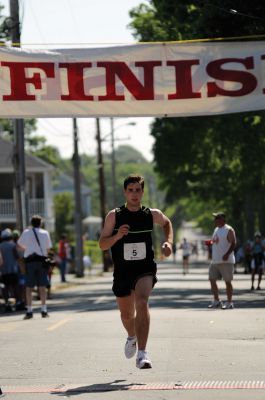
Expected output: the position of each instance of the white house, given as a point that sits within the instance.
(38, 188)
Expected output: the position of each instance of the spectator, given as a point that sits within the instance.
(9, 269)
(194, 249)
(223, 260)
(208, 245)
(51, 255)
(36, 243)
(87, 263)
(239, 256)
(247, 256)
(21, 305)
(257, 260)
(64, 252)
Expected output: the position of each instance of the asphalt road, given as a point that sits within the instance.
(197, 353)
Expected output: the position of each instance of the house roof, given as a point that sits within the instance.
(65, 183)
(92, 220)
(31, 162)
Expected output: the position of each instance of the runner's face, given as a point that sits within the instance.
(133, 194)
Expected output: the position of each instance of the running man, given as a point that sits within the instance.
(127, 232)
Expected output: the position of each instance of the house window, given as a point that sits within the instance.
(6, 186)
(39, 186)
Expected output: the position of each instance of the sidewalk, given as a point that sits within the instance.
(71, 279)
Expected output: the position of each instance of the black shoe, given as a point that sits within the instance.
(252, 287)
(258, 288)
(28, 315)
(44, 314)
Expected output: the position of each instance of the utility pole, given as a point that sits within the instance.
(79, 266)
(113, 163)
(102, 192)
(18, 126)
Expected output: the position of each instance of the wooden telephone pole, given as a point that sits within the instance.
(102, 193)
(79, 266)
(18, 126)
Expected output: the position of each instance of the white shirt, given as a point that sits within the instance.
(29, 242)
(185, 246)
(221, 245)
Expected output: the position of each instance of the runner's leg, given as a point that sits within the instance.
(143, 290)
(127, 312)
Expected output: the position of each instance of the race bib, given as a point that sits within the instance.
(134, 251)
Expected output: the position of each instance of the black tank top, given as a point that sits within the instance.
(134, 249)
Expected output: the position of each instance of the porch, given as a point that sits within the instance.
(8, 209)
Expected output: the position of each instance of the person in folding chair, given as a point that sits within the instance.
(36, 243)
(127, 232)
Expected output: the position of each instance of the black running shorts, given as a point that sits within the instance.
(123, 283)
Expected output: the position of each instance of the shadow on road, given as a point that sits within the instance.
(172, 298)
(116, 385)
(173, 291)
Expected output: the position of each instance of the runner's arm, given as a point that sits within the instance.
(161, 219)
(107, 239)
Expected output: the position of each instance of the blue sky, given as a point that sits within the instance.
(71, 23)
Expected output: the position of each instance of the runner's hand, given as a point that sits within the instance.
(166, 249)
(123, 231)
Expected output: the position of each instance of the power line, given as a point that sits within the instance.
(72, 13)
(232, 11)
(36, 20)
(53, 130)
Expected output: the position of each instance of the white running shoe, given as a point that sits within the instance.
(215, 304)
(130, 347)
(228, 306)
(142, 361)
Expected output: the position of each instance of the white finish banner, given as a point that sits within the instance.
(162, 79)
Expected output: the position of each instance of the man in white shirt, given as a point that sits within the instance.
(36, 243)
(223, 260)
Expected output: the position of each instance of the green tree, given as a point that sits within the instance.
(196, 19)
(208, 159)
(4, 27)
(49, 154)
(64, 211)
(128, 160)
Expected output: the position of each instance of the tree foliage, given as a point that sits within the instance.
(197, 19)
(128, 160)
(63, 207)
(214, 161)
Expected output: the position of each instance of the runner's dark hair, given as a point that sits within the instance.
(133, 178)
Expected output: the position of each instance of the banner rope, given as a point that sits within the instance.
(218, 39)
